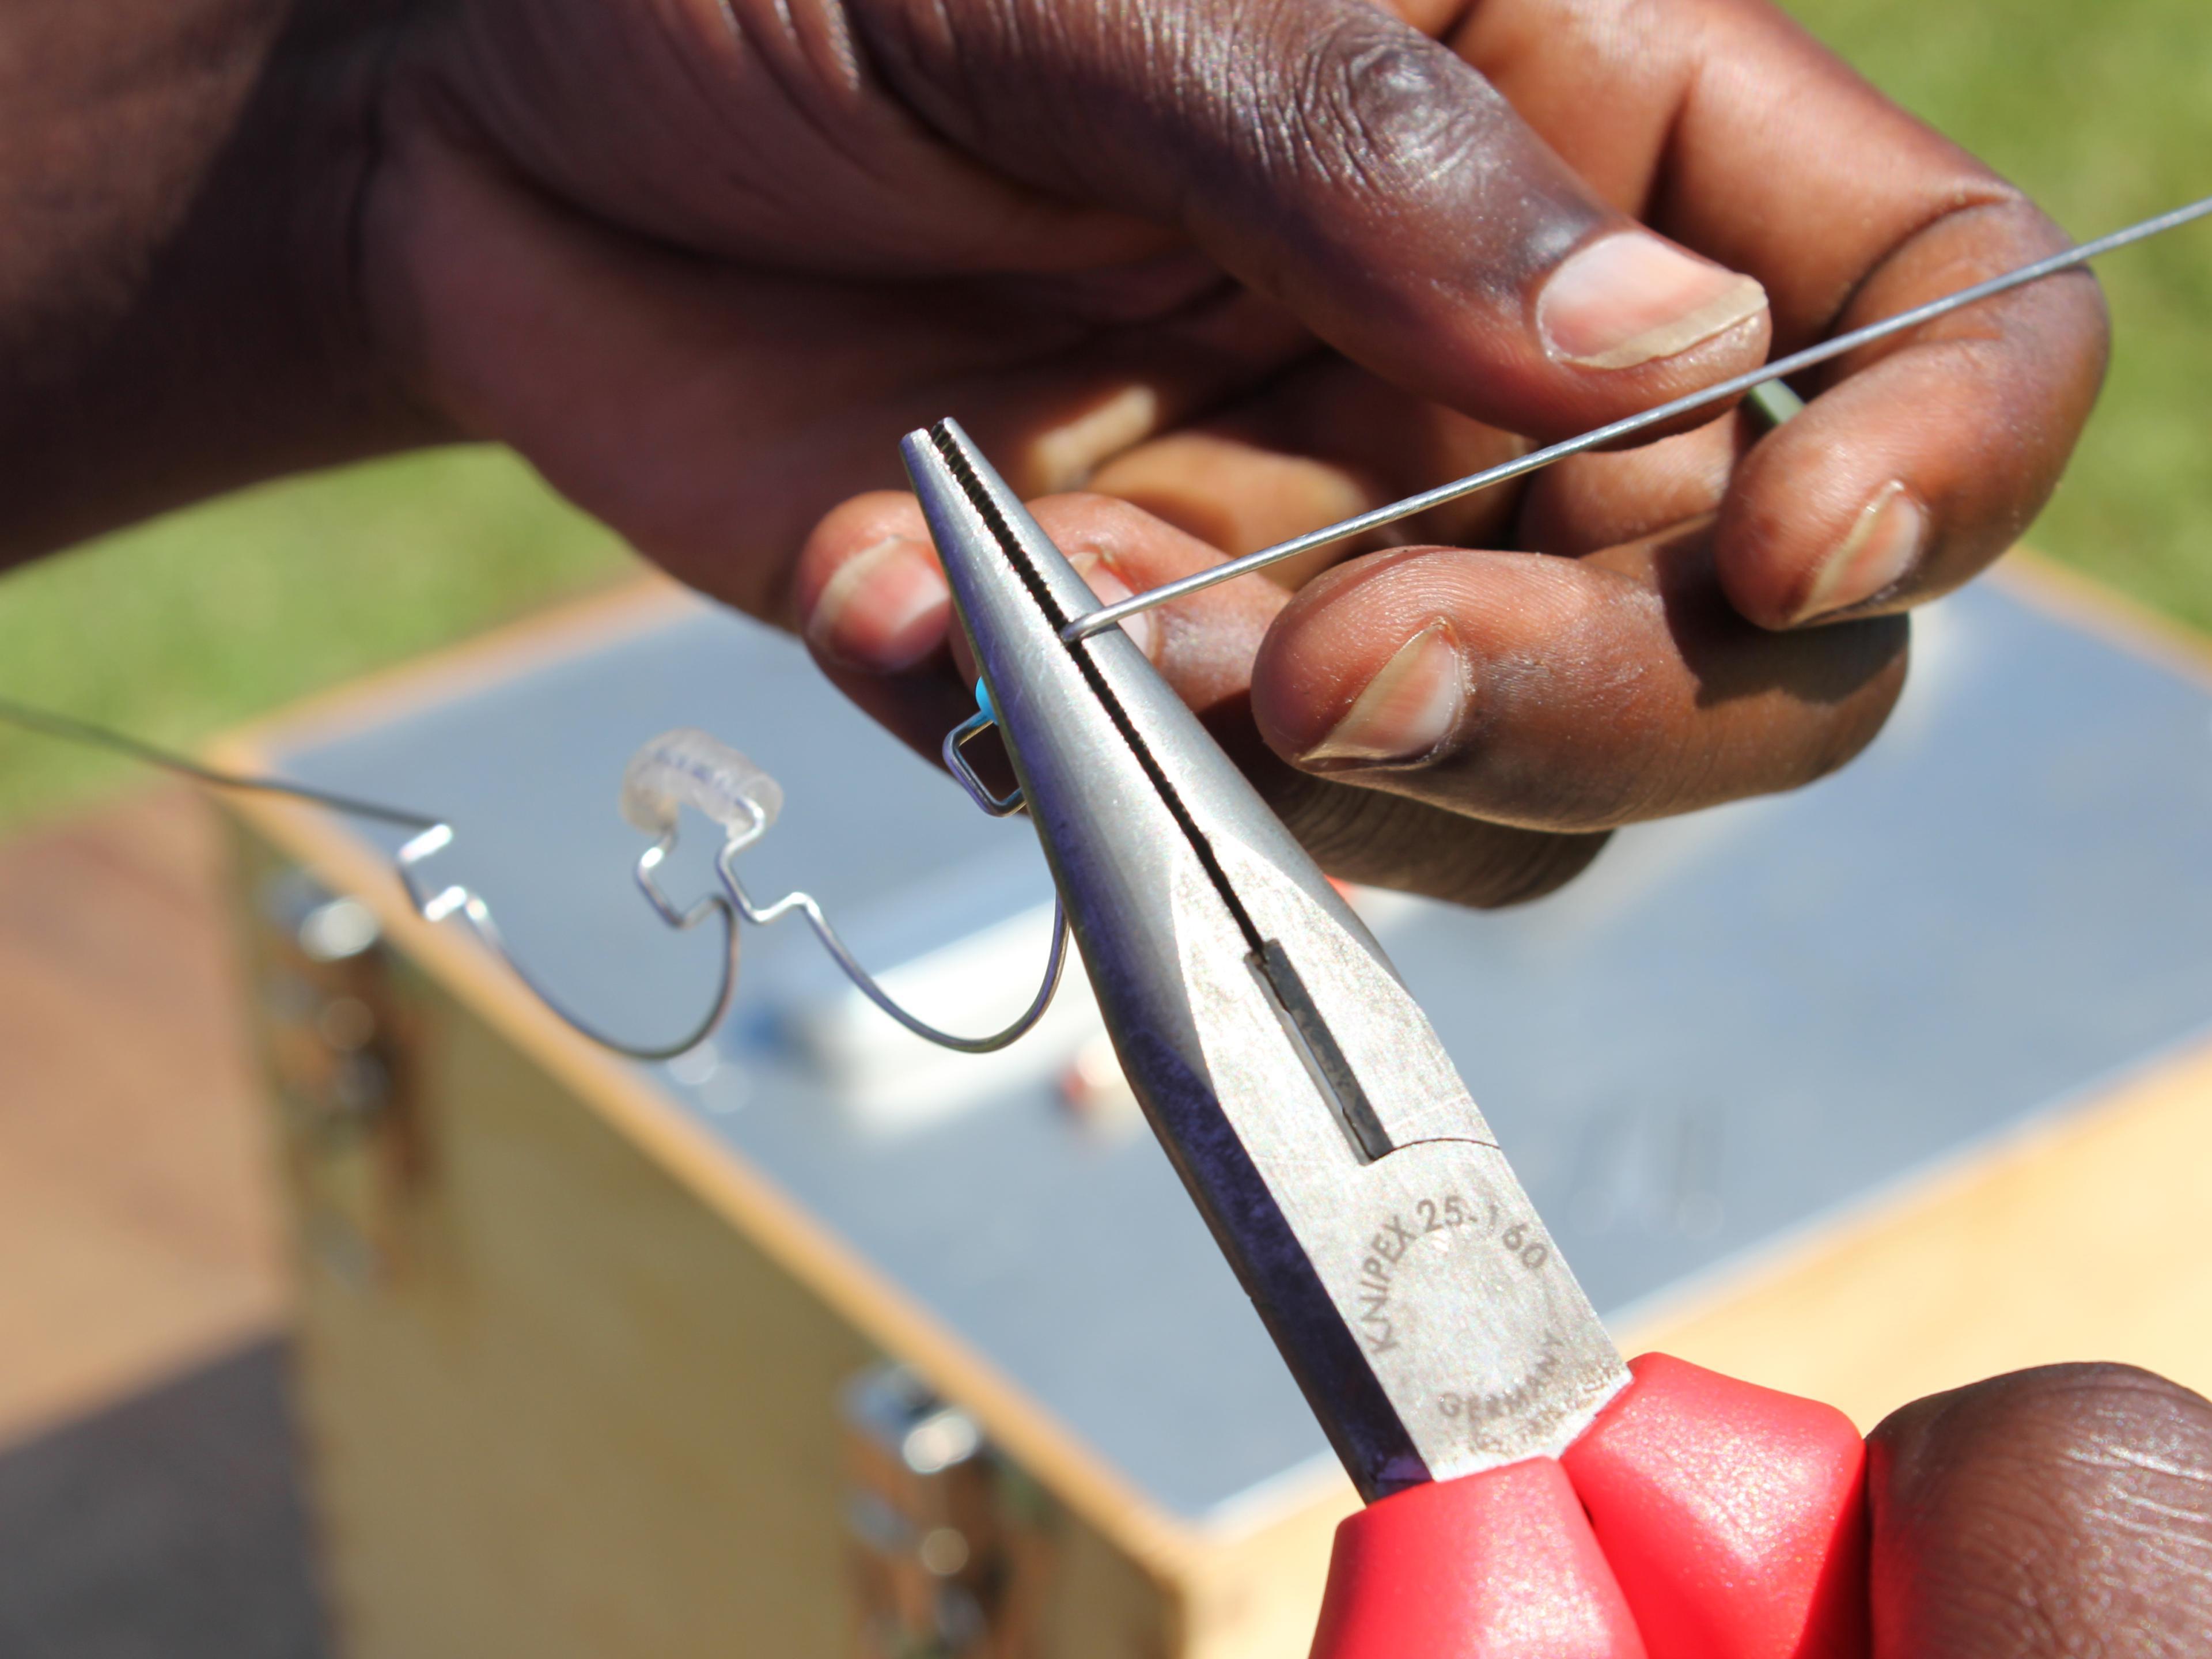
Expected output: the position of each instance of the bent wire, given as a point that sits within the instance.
(680, 768)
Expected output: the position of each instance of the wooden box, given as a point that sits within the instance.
(1861, 1093)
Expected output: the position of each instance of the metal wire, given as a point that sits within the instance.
(1106, 616)
(440, 903)
(456, 900)
(760, 915)
(69, 729)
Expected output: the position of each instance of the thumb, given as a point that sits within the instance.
(2052, 1512)
(1337, 159)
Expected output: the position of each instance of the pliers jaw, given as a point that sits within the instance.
(1295, 1084)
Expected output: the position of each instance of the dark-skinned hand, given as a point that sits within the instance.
(1723, 616)
(1237, 267)
(1246, 265)
(2064, 1513)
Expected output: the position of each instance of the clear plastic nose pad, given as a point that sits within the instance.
(687, 768)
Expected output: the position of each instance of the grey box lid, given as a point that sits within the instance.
(1735, 1022)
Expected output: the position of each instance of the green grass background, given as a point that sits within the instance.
(182, 627)
(2102, 108)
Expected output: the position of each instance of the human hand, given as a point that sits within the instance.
(2053, 1512)
(1516, 709)
(704, 262)
(2050, 1513)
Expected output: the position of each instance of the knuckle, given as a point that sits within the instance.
(2089, 1401)
(1383, 840)
(1860, 680)
(1377, 107)
(2036, 1512)
(1104, 521)
(1519, 867)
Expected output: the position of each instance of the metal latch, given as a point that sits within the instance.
(951, 1542)
(335, 1034)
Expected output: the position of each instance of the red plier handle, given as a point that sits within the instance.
(1699, 1518)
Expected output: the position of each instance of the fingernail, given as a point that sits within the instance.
(1408, 711)
(883, 609)
(1633, 299)
(1066, 456)
(1112, 590)
(1886, 541)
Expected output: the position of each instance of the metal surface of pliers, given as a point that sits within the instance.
(1529, 1491)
